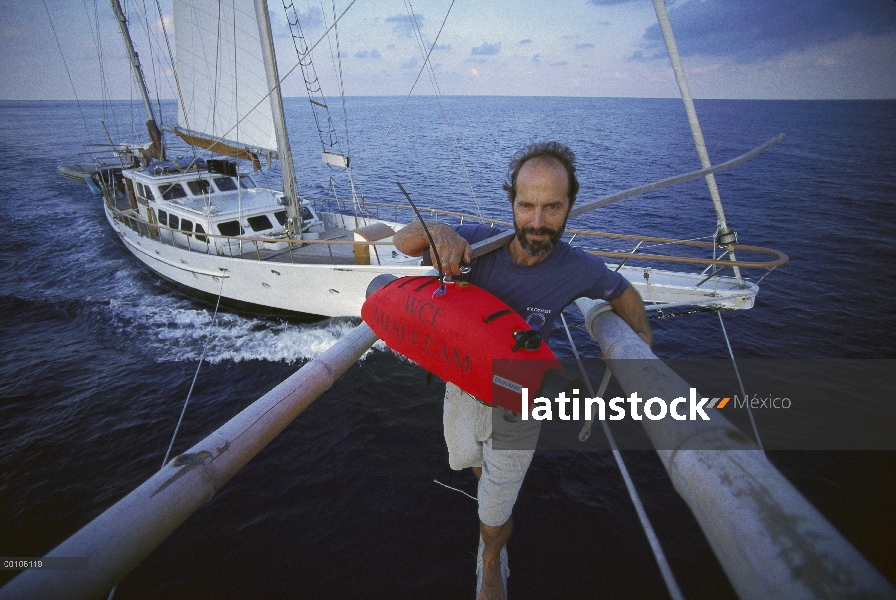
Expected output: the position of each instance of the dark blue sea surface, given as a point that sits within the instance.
(98, 356)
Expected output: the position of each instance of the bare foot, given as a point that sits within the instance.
(492, 583)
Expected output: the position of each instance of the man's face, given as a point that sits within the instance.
(541, 205)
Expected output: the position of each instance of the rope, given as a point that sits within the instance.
(456, 490)
(195, 376)
(742, 391)
(658, 554)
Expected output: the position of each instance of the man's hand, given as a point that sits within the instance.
(451, 247)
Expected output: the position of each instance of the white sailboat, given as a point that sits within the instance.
(207, 227)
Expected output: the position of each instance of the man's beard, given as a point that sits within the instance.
(538, 248)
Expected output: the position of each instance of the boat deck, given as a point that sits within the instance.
(313, 253)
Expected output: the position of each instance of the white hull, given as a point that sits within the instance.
(268, 287)
(259, 285)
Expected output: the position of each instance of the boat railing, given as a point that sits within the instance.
(373, 210)
(264, 248)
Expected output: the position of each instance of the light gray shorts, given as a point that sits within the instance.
(468, 434)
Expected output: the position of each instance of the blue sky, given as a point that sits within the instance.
(790, 49)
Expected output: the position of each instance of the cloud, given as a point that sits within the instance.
(404, 26)
(368, 54)
(765, 29)
(486, 49)
(410, 63)
(536, 58)
(525, 41)
(441, 47)
(584, 46)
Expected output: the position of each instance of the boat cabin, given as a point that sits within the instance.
(191, 200)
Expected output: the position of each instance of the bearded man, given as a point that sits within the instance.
(537, 275)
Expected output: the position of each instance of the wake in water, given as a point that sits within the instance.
(172, 329)
(169, 328)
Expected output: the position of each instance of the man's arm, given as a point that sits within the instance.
(629, 306)
(452, 248)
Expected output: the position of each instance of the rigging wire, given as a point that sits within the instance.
(313, 88)
(348, 144)
(180, 95)
(339, 78)
(105, 96)
(385, 135)
(309, 75)
(155, 51)
(658, 554)
(67, 72)
(195, 376)
(435, 85)
(740, 381)
(341, 83)
(278, 84)
(152, 57)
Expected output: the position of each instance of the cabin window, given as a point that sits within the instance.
(225, 184)
(173, 222)
(172, 191)
(306, 214)
(200, 187)
(260, 223)
(142, 191)
(230, 228)
(200, 230)
(163, 218)
(186, 225)
(246, 182)
(280, 215)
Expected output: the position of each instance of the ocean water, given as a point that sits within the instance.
(98, 356)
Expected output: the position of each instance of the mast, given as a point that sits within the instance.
(294, 224)
(157, 147)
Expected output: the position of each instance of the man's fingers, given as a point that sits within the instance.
(452, 254)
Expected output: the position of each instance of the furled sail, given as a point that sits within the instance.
(223, 102)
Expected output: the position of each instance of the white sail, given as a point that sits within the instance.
(221, 74)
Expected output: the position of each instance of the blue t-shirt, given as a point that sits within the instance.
(540, 292)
